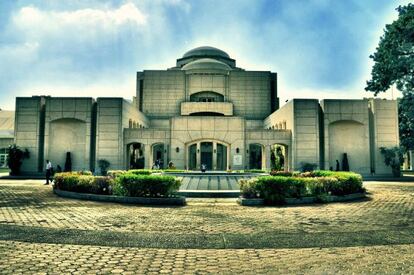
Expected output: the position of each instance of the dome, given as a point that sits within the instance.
(206, 64)
(206, 51)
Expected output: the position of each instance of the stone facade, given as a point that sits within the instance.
(205, 110)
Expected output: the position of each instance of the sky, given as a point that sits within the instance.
(319, 48)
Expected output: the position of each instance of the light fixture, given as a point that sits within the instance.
(177, 149)
(237, 150)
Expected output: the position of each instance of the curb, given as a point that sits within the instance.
(304, 200)
(130, 200)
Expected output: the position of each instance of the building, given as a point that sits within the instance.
(206, 110)
(6, 135)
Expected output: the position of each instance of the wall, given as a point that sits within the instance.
(385, 114)
(346, 128)
(68, 129)
(249, 91)
(109, 132)
(305, 134)
(163, 93)
(184, 130)
(27, 130)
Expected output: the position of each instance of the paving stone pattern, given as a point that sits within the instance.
(28, 204)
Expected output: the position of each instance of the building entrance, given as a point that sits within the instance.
(210, 153)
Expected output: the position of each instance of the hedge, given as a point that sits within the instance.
(133, 185)
(275, 189)
(77, 182)
(118, 183)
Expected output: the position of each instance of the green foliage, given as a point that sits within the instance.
(141, 171)
(173, 171)
(394, 64)
(103, 166)
(114, 173)
(15, 158)
(76, 182)
(283, 173)
(393, 157)
(275, 189)
(306, 166)
(406, 121)
(254, 171)
(145, 185)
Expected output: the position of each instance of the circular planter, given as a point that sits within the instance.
(131, 200)
(304, 200)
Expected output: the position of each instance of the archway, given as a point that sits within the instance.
(279, 157)
(213, 154)
(158, 154)
(135, 155)
(255, 156)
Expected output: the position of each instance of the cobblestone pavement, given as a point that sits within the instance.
(50, 258)
(28, 206)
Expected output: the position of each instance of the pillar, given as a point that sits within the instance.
(198, 154)
(267, 163)
(214, 155)
(147, 156)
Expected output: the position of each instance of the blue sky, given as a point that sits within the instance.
(319, 48)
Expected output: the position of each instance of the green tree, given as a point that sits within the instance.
(394, 65)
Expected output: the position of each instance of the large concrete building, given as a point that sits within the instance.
(206, 110)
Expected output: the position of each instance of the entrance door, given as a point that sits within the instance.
(221, 157)
(207, 154)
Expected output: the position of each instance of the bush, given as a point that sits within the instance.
(15, 158)
(254, 171)
(103, 166)
(114, 173)
(307, 167)
(140, 171)
(134, 185)
(76, 182)
(275, 189)
(283, 173)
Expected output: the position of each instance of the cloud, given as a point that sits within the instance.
(319, 48)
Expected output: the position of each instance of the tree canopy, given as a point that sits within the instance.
(394, 56)
(394, 65)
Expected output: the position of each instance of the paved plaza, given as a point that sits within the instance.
(40, 232)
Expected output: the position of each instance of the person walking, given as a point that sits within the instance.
(48, 171)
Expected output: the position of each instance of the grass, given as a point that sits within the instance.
(4, 170)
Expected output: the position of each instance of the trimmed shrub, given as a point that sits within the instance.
(134, 185)
(74, 182)
(173, 171)
(275, 189)
(254, 171)
(114, 173)
(140, 171)
(283, 173)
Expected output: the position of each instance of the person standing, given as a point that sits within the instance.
(48, 171)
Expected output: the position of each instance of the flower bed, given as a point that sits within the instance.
(120, 183)
(281, 186)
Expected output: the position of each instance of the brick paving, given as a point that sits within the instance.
(30, 205)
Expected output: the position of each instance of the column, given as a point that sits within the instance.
(214, 155)
(147, 156)
(198, 153)
(267, 164)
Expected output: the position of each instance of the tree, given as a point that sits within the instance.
(15, 159)
(393, 157)
(103, 165)
(394, 65)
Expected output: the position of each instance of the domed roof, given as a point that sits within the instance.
(206, 64)
(206, 51)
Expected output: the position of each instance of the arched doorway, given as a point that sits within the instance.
(135, 155)
(279, 157)
(212, 154)
(158, 154)
(255, 156)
